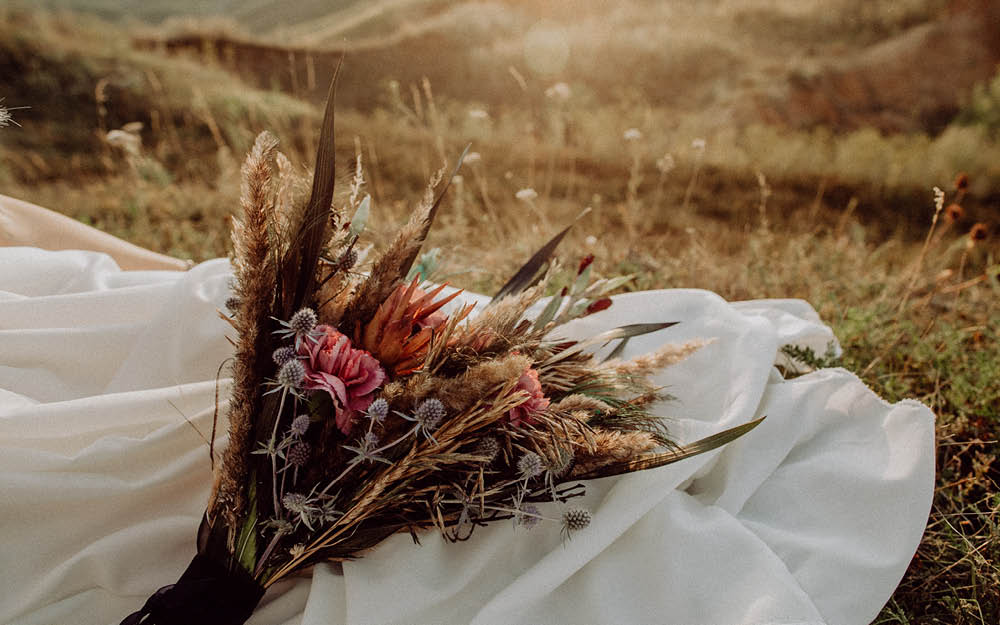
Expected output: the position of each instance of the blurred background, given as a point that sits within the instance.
(757, 148)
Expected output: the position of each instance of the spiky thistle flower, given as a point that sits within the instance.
(299, 426)
(488, 448)
(530, 465)
(529, 516)
(378, 410)
(283, 355)
(298, 455)
(291, 374)
(429, 414)
(575, 519)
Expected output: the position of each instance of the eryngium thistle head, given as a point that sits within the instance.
(303, 321)
(298, 454)
(488, 448)
(296, 503)
(429, 414)
(291, 374)
(530, 465)
(299, 425)
(283, 355)
(529, 516)
(370, 440)
(575, 519)
(378, 410)
(347, 260)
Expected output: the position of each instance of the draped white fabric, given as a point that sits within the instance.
(107, 388)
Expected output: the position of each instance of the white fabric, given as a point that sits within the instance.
(106, 375)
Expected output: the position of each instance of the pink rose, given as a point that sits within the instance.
(349, 375)
(529, 385)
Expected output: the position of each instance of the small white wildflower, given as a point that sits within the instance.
(472, 157)
(478, 114)
(632, 134)
(591, 240)
(297, 550)
(526, 195)
(665, 163)
(559, 91)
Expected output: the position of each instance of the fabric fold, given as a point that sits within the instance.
(107, 393)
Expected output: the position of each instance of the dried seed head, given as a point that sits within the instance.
(232, 303)
(575, 519)
(378, 410)
(291, 374)
(303, 321)
(978, 233)
(347, 260)
(298, 455)
(299, 425)
(962, 181)
(953, 213)
(429, 414)
(283, 355)
(488, 448)
(530, 465)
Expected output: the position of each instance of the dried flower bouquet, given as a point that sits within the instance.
(363, 405)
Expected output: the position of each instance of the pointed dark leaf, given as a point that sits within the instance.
(525, 276)
(623, 332)
(652, 461)
(312, 234)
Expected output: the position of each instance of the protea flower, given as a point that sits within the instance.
(400, 332)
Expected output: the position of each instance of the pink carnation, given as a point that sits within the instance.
(349, 375)
(529, 385)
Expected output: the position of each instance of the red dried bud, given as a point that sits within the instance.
(584, 263)
(962, 181)
(564, 292)
(599, 305)
(978, 232)
(953, 212)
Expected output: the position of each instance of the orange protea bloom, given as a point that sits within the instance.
(400, 332)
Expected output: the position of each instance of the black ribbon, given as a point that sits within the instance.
(208, 593)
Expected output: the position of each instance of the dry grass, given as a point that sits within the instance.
(836, 220)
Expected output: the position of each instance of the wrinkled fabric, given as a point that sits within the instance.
(107, 394)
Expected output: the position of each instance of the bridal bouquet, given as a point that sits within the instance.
(365, 403)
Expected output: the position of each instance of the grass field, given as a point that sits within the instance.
(846, 220)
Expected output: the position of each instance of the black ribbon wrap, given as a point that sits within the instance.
(208, 593)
